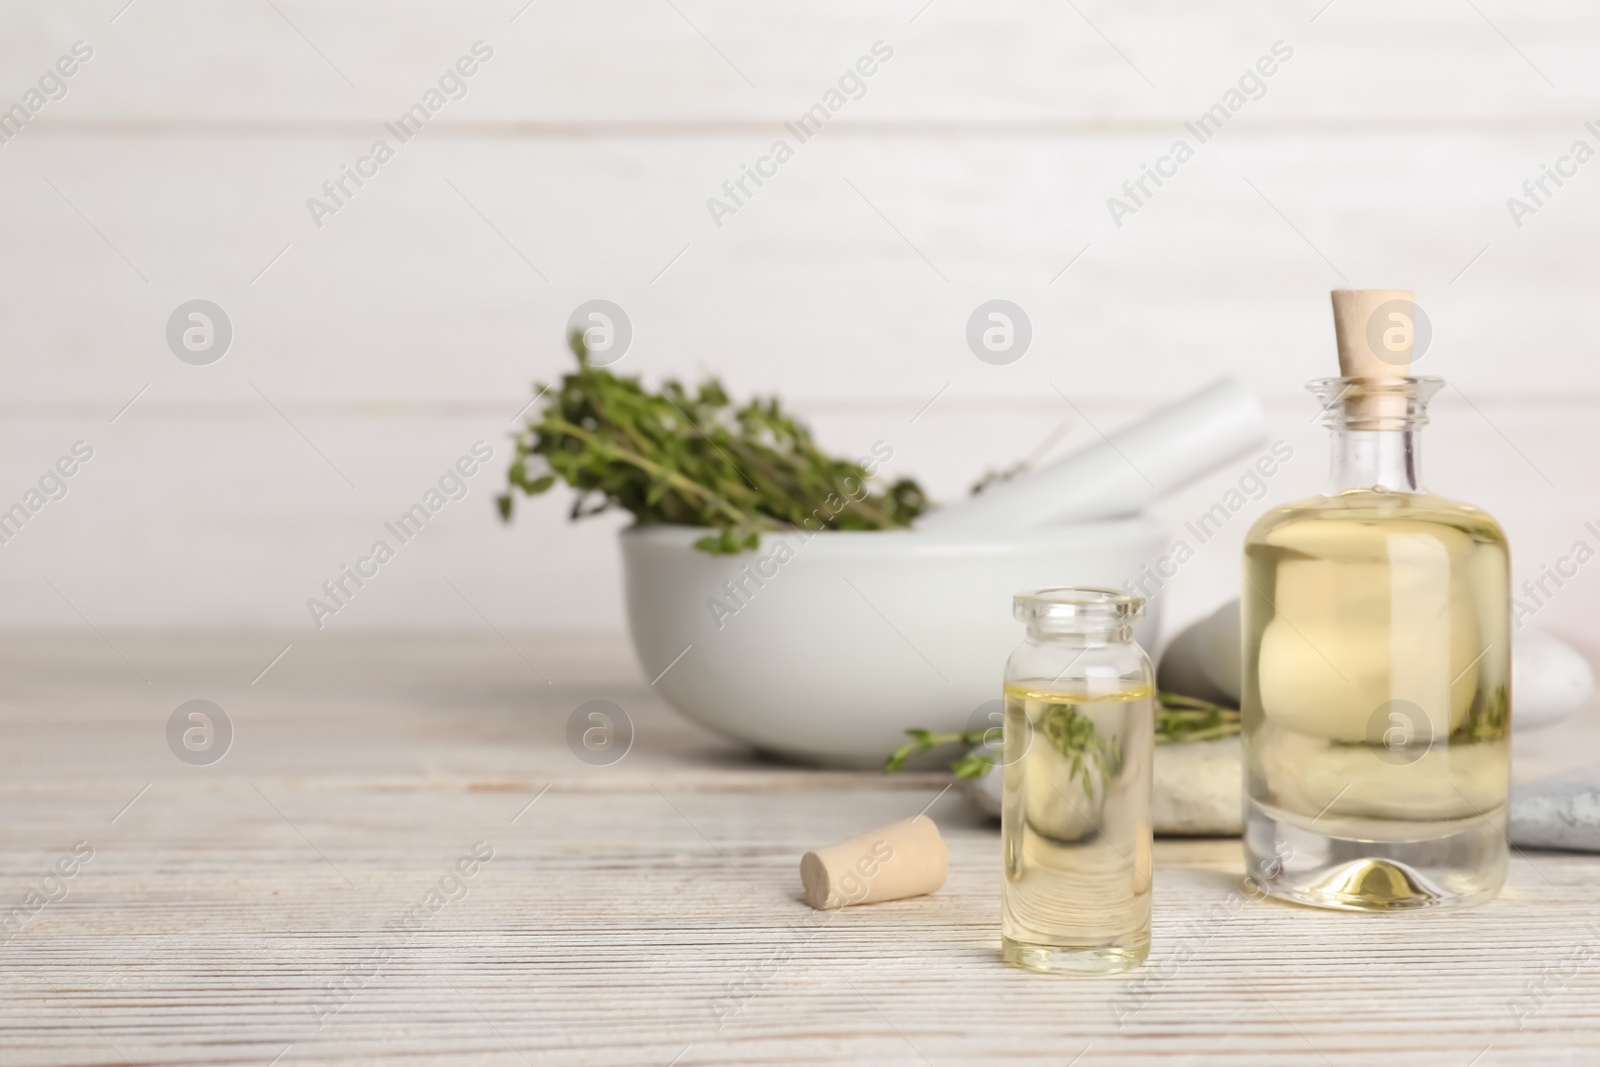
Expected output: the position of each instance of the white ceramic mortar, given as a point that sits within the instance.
(855, 636)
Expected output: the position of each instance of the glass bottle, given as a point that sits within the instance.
(1077, 759)
(1376, 675)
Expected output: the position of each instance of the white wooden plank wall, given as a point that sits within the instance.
(977, 164)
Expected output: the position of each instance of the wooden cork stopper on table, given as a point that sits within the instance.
(903, 859)
(1375, 329)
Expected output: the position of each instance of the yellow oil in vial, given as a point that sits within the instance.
(1075, 828)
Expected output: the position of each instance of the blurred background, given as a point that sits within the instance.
(376, 339)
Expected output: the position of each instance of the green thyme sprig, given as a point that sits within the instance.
(1181, 718)
(691, 458)
(1487, 719)
(1073, 735)
(965, 766)
(1178, 719)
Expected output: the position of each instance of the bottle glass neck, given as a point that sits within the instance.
(1376, 424)
(1080, 638)
(1382, 460)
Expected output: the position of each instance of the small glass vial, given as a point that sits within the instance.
(1077, 761)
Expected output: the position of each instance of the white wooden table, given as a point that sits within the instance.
(255, 910)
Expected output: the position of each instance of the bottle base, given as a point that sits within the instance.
(1461, 866)
(1057, 959)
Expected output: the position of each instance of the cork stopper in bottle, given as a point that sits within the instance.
(903, 859)
(1375, 329)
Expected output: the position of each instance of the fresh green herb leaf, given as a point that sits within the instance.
(1181, 718)
(1486, 721)
(1178, 719)
(923, 740)
(970, 766)
(1073, 735)
(691, 458)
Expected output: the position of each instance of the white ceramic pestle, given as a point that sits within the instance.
(1120, 473)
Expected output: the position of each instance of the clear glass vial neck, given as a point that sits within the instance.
(1078, 617)
(1376, 426)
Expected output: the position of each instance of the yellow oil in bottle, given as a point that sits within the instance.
(1376, 701)
(1075, 828)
